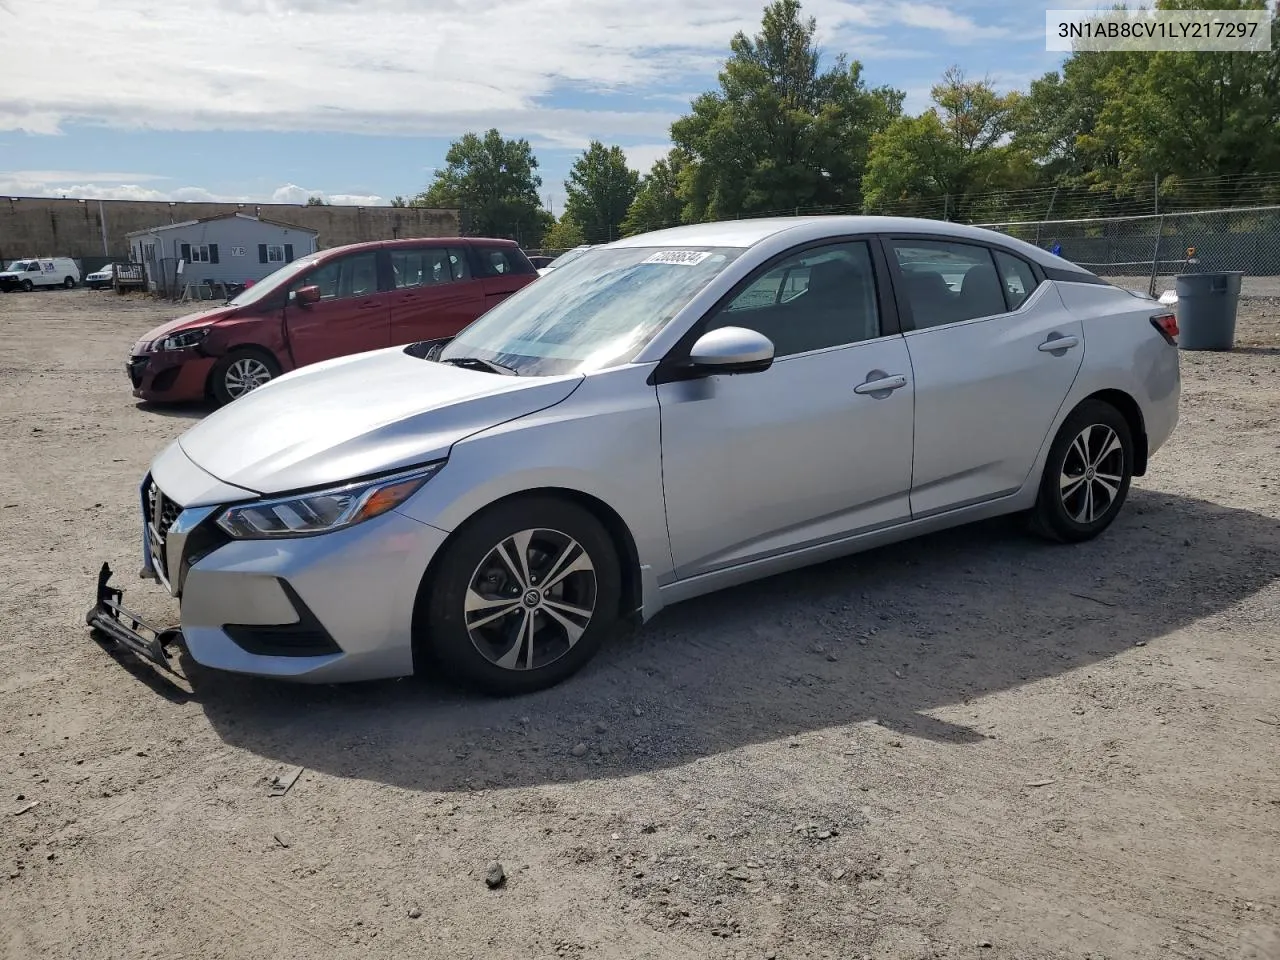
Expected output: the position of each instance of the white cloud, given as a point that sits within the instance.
(70, 183)
(394, 66)
(292, 193)
(74, 176)
(643, 156)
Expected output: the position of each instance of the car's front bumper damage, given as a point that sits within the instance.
(126, 629)
(318, 609)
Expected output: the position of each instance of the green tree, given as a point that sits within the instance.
(599, 192)
(779, 133)
(565, 234)
(316, 201)
(658, 202)
(495, 181)
(1113, 122)
(957, 149)
(1194, 115)
(399, 201)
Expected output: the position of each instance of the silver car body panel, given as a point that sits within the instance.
(977, 373)
(715, 481)
(731, 446)
(363, 414)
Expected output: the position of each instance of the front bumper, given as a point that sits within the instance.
(325, 609)
(172, 377)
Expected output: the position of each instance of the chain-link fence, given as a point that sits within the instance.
(1147, 252)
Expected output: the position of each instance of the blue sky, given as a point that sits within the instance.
(357, 100)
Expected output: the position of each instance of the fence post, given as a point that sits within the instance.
(1155, 256)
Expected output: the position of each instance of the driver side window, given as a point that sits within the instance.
(822, 297)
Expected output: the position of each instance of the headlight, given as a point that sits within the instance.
(180, 341)
(320, 511)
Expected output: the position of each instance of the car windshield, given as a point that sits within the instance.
(568, 257)
(272, 282)
(18, 265)
(598, 311)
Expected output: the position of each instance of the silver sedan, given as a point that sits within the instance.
(662, 417)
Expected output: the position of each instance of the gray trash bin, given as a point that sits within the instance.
(1207, 309)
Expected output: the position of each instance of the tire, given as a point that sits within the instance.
(69, 283)
(491, 654)
(1091, 459)
(27, 286)
(239, 372)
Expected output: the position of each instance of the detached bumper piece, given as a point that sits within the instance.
(127, 629)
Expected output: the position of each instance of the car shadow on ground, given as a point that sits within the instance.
(885, 635)
(182, 411)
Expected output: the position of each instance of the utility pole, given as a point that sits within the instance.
(102, 221)
(1157, 195)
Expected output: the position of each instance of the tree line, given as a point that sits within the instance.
(781, 134)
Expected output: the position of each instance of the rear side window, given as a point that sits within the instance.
(502, 261)
(1017, 276)
(421, 267)
(458, 263)
(948, 282)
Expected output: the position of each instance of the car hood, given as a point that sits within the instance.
(190, 321)
(357, 416)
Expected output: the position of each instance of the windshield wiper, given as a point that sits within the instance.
(477, 363)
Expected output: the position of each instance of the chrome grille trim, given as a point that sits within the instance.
(168, 527)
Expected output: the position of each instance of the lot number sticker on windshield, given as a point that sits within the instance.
(687, 258)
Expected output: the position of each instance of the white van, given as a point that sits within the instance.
(40, 272)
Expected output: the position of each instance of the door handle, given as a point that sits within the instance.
(885, 384)
(1055, 344)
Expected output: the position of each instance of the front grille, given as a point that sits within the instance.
(136, 366)
(161, 514)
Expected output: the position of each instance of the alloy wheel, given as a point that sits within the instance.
(530, 600)
(247, 373)
(1092, 473)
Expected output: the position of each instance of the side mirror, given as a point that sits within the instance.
(305, 296)
(732, 350)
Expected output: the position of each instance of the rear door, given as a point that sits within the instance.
(502, 269)
(994, 353)
(433, 293)
(352, 316)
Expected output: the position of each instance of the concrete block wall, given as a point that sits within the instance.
(38, 227)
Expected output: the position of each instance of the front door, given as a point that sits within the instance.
(807, 451)
(433, 293)
(351, 316)
(989, 379)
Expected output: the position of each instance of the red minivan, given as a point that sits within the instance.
(324, 305)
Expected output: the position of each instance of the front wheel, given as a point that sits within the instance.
(240, 372)
(1086, 476)
(525, 594)
(27, 286)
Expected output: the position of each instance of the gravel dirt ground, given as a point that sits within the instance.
(974, 745)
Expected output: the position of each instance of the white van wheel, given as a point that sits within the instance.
(69, 283)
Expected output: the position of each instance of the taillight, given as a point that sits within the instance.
(1167, 325)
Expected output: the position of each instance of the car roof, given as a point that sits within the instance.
(407, 242)
(747, 233)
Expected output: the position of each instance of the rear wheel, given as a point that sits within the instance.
(69, 282)
(1086, 476)
(240, 372)
(525, 594)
